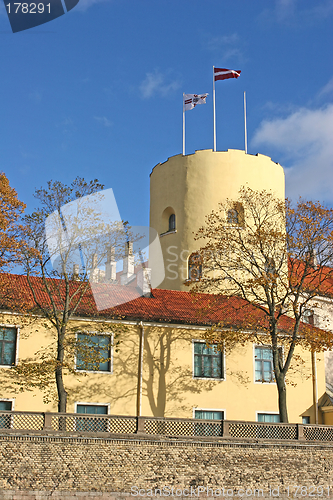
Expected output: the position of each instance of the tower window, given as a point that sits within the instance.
(194, 267)
(232, 216)
(172, 222)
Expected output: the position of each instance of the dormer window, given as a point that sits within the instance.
(308, 317)
(172, 222)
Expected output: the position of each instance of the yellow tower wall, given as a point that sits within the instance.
(191, 187)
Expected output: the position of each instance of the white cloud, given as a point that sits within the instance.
(227, 46)
(304, 139)
(293, 12)
(327, 89)
(285, 9)
(102, 119)
(156, 84)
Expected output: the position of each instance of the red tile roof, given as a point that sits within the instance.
(163, 306)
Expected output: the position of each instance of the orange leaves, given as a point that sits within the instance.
(10, 210)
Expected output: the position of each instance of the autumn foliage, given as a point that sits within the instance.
(276, 257)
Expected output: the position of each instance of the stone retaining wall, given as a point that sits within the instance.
(67, 468)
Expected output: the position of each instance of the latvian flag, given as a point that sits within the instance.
(191, 100)
(224, 74)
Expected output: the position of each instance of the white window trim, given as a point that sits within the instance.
(17, 344)
(110, 334)
(90, 404)
(92, 415)
(254, 365)
(266, 413)
(224, 375)
(173, 231)
(9, 399)
(210, 409)
(12, 400)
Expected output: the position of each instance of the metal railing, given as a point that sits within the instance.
(84, 424)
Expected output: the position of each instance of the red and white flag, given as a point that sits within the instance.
(224, 74)
(191, 100)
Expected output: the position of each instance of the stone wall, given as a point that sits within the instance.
(67, 468)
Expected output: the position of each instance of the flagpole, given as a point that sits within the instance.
(245, 130)
(214, 110)
(183, 125)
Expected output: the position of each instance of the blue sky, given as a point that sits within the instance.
(98, 92)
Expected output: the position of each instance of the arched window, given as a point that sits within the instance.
(172, 222)
(232, 216)
(194, 267)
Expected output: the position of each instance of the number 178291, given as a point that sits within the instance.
(29, 8)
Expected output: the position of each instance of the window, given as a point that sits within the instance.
(209, 414)
(268, 417)
(235, 215)
(208, 429)
(91, 424)
(270, 266)
(232, 216)
(264, 371)
(8, 337)
(305, 420)
(207, 361)
(194, 267)
(308, 317)
(172, 222)
(93, 352)
(5, 420)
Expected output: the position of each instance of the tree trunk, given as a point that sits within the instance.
(62, 394)
(281, 386)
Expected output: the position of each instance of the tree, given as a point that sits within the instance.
(67, 238)
(11, 209)
(279, 258)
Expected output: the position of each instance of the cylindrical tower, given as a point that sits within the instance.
(184, 189)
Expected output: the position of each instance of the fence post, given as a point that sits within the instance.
(140, 425)
(225, 429)
(47, 421)
(300, 432)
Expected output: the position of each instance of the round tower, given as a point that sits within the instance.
(184, 189)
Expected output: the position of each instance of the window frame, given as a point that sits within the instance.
(308, 319)
(77, 421)
(12, 401)
(17, 327)
(196, 408)
(254, 363)
(223, 368)
(197, 424)
(110, 371)
(194, 265)
(232, 213)
(172, 229)
(267, 413)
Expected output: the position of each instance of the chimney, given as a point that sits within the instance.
(94, 274)
(110, 265)
(76, 270)
(144, 281)
(128, 262)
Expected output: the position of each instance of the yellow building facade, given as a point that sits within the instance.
(180, 376)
